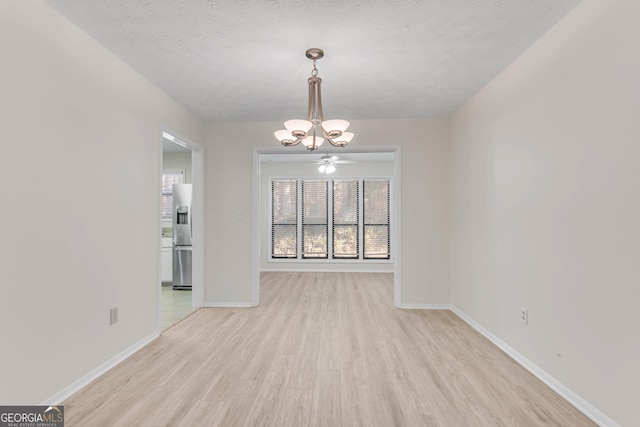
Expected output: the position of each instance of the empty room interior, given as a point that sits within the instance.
(445, 232)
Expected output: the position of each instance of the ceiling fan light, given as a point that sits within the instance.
(298, 128)
(330, 168)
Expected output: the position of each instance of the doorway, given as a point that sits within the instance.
(181, 163)
(385, 153)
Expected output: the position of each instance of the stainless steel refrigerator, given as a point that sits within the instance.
(182, 234)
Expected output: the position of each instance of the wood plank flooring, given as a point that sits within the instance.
(322, 349)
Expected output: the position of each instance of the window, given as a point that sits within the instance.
(284, 218)
(341, 219)
(345, 219)
(376, 219)
(315, 217)
(170, 177)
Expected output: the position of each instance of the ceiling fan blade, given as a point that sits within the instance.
(328, 158)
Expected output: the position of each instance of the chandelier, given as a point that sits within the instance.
(308, 131)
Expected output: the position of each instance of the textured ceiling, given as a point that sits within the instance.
(244, 59)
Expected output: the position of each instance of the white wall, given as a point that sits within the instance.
(82, 132)
(359, 169)
(546, 208)
(229, 174)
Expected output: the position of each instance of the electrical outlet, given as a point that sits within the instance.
(524, 316)
(113, 315)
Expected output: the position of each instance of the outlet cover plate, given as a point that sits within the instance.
(113, 315)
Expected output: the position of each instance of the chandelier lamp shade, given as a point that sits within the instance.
(313, 131)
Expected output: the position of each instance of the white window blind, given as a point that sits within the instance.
(170, 177)
(376, 219)
(345, 218)
(315, 221)
(284, 218)
(321, 219)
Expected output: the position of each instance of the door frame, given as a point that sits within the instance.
(396, 212)
(198, 216)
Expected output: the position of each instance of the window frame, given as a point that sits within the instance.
(295, 226)
(366, 224)
(357, 224)
(307, 224)
(330, 187)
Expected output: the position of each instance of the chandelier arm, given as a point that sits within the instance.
(315, 109)
(331, 140)
(291, 144)
(318, 100)
(336, 144)
(313, 146)
(312, 100)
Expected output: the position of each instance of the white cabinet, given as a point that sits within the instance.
(167, 265)
(167, 261)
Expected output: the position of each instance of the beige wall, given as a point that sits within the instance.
(82, 132)
(424, 236)
(545, 206)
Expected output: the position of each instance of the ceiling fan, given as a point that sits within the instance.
(327, 163)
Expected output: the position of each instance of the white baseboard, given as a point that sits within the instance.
(425, 306)
(68, 391)
(324, 270)
(578, 402)
(227, 304)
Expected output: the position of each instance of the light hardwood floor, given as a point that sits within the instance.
(322, 349)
